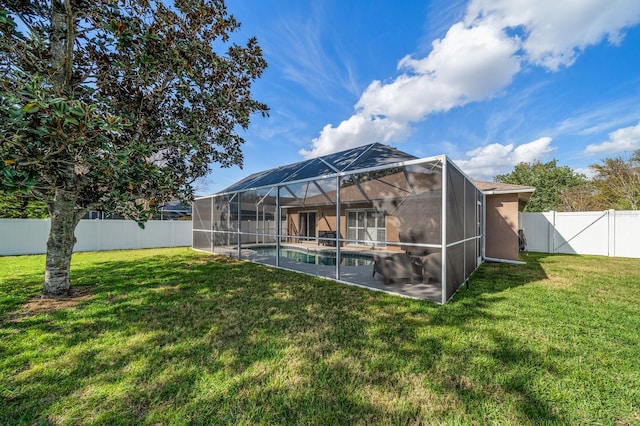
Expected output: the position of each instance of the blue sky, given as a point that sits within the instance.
(489, 83)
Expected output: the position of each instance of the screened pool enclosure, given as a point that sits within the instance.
(372, 216)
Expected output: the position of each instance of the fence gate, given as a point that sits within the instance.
(604, 233)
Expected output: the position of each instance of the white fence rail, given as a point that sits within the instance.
(29, 236)
(604, 233)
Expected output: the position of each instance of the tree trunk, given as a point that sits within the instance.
(64, 219)
(62, 39)
(62, 210)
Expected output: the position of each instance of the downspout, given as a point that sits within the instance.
(493, 259)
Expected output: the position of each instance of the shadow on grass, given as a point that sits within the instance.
(191, 338)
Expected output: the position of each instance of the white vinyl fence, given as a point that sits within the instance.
(29, 236)
(604, 233)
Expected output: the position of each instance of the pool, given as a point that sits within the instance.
(346, 258)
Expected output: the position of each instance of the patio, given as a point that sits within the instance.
(360, 275)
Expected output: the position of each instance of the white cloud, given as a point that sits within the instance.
(476, 60)
(624, 139)
(554, 32)
(468, 64)
(490, 160)
(358, 130)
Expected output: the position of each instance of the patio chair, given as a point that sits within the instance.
(427, 261)
(414, 236)
(394, 268)
(327, 234)
(431, 268)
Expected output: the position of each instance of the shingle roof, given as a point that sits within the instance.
(492, 188)
(501, 187)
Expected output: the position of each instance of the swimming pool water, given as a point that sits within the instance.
(346, 259)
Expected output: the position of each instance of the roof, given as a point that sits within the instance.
(362, 157)
(493, 188)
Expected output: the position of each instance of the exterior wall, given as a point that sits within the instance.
(423, 215)
(326, 221)
(501, 234)
(393, 232)
(292, 223)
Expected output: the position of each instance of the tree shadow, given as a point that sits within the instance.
(194, 338)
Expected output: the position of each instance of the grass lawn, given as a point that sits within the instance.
(173, 336)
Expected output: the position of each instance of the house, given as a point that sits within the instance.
(371, 216)
(173, 210)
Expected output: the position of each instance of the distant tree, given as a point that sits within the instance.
(117, 105)
(550, 181)
(18, 206)
(617, 182)
(580, 198)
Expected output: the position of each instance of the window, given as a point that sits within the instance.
(366, 226)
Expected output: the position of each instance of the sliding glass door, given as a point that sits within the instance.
(307, 226)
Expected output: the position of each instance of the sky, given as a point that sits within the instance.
(489, 83)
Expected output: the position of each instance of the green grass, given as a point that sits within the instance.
(173, 336)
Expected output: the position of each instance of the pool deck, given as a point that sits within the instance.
(361, 276)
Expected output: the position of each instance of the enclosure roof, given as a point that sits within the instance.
(362, 157)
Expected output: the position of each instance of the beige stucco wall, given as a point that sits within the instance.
(325, 220)
(414, 214)
(502, 226)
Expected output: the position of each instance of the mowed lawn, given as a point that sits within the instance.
(172, 336)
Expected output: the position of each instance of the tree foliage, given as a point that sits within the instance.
(579, 198)
(617, 182)
(118, 105)
(550, 181)
(19, 206)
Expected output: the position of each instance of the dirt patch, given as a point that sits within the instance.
(45, 305)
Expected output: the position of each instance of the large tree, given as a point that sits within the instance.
(118, 105)
(617, 182)
(550, 181)
(579, 198)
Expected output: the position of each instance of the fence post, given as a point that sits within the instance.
(99, 226)
(612, 233)
(552, 232)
